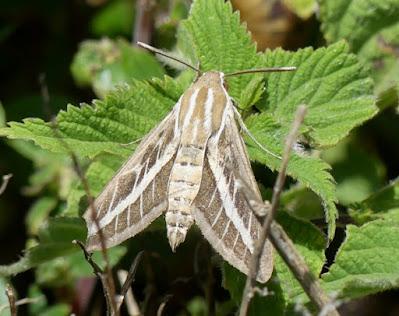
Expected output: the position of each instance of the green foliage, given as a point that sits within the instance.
(372, 29)
(221, 44)
(377, 205)
(124, 116)
(55, 241)
(303, 8)
(116, 18)
(105, 63)
(343, 85)
(368, 260)
(357, 172)
(330, 81)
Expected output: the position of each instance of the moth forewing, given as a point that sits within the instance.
(186, 167)
(137, 194)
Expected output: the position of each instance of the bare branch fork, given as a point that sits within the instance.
(109, 283)
(126, 284)
(280, 239)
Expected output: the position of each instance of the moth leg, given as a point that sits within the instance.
(246, 131)
(138, 140)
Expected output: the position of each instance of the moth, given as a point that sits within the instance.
(187, 168)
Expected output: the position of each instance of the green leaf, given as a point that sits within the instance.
(51, 170)
(221, 44)
(116, 18)
(367, 262)
(310, 171)
(55, 241)
(377, 205)
(104, 64)
(372, 29)
(40, 302)
(97, 175)
(310, 243)
(302, 202)
(66, 270)
(330, 81)
(125, 115)
(39, 212)
(303, 8)
(358, 172)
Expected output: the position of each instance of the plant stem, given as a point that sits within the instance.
(278, 187)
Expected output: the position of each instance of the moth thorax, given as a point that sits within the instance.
(177, 225)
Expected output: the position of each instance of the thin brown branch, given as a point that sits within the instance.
(286, 249)
(23, 301)
(130, 302)
(144, 21)
(11, 300)
(162, 306)
(278, 187)
(129, 278)
(4, 184)
(109, 283)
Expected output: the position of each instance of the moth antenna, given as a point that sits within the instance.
(162, 53)
(246, 131)
(257, 70)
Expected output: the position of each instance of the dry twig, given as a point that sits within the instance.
(286, 249)
(254, 264)
(126, 292)
(108, 282)
(11, 300)
(281, 241)
(144, 21)
(23, 301)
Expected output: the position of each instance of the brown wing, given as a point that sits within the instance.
(221, 210)
(137, 194)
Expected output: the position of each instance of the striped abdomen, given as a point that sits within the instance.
(200, 116)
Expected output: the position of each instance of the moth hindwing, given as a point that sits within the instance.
(187, 168)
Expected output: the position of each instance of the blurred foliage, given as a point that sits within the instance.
(347, 62)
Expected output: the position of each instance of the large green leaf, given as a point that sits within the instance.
(221, 44)
(331, 82)
(367, 262)
(372, 29)
(377, 205)
(125, 115)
